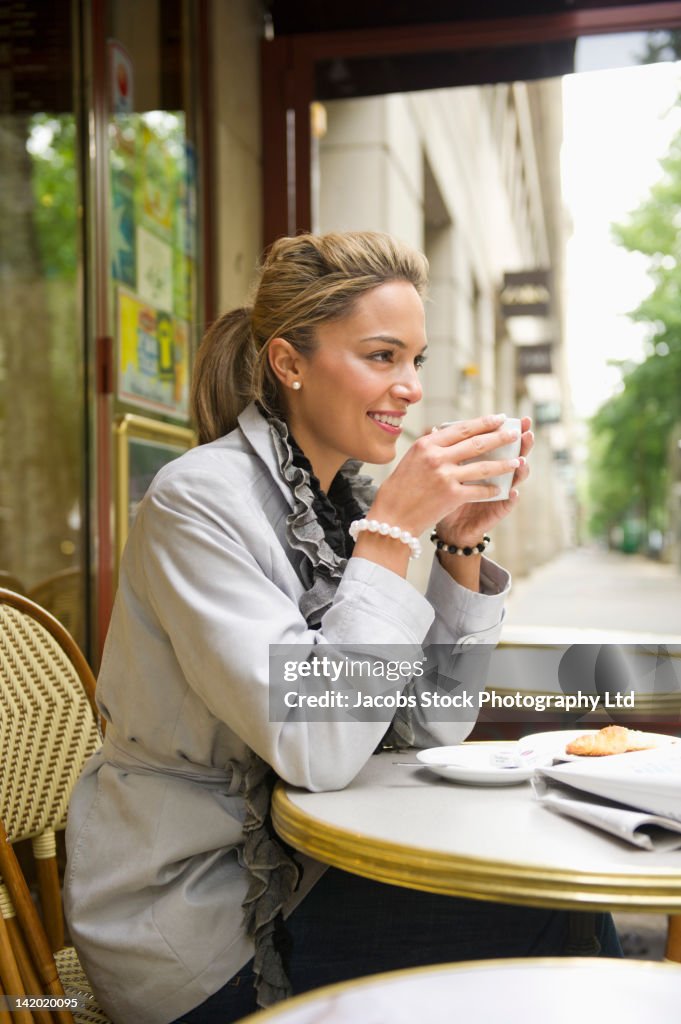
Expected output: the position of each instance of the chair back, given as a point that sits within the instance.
(48, 729)
(48, 725)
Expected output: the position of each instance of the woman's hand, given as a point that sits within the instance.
(466, 524)
(431, 484)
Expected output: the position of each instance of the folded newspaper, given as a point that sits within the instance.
(635, 796)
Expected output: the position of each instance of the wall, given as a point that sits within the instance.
(237, 29)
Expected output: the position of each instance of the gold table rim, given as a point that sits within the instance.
(568, 963)
(658, 890)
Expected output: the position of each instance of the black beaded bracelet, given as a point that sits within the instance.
(450, 549)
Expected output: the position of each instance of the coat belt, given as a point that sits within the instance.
(119, 753)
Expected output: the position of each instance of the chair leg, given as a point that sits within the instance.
(5, 1015)
(10, 976)
(673, 950)
(29, 977)
(45, 854)
(28, 917)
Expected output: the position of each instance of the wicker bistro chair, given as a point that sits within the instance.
(27, 964)
(48, 729)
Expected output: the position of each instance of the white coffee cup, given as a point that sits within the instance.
(511, 450)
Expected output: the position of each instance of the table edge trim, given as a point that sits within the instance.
(431, 871)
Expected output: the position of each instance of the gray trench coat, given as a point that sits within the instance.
(154, 882)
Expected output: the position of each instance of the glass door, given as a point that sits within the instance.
(43, 507)
(149, 273)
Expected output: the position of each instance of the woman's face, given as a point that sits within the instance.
(359, 382)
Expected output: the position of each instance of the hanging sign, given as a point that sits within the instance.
(527, 293)
(534, 359)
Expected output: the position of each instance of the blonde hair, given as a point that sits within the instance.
(304, 281)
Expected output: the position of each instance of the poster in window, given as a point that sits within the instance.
(153, 356)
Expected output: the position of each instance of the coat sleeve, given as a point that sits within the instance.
(206, 566)
(458, 649)
(464, 614)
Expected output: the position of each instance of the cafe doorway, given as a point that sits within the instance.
(103, 285)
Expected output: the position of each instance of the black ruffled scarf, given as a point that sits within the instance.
(334, 510)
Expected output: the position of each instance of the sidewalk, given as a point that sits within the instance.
(591, 588)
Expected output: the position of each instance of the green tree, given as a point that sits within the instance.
(52, 145)
(41, 409)
(630, 432)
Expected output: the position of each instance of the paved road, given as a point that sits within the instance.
(596, 589)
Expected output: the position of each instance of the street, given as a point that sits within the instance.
(592, 588)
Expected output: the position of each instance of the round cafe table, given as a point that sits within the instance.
(529, 991)
(408, 826)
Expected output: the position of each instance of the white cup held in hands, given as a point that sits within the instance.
(511, 450)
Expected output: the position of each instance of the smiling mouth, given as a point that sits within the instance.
(389, 424)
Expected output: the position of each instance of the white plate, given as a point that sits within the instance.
(472, 765)
(549, 745)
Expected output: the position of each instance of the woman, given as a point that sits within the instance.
(176, 880)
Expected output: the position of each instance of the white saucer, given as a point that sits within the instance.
(472, 765)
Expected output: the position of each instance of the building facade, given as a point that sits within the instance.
(151, 150)
(471, 177)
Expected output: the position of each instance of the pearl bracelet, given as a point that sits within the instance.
(386, 530)
(451, 549)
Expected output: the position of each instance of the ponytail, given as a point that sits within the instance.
(223, 371)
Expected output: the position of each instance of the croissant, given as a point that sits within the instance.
(613, 739)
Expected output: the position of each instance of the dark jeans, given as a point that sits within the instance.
(349, 926)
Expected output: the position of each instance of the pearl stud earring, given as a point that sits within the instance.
(296, 385)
